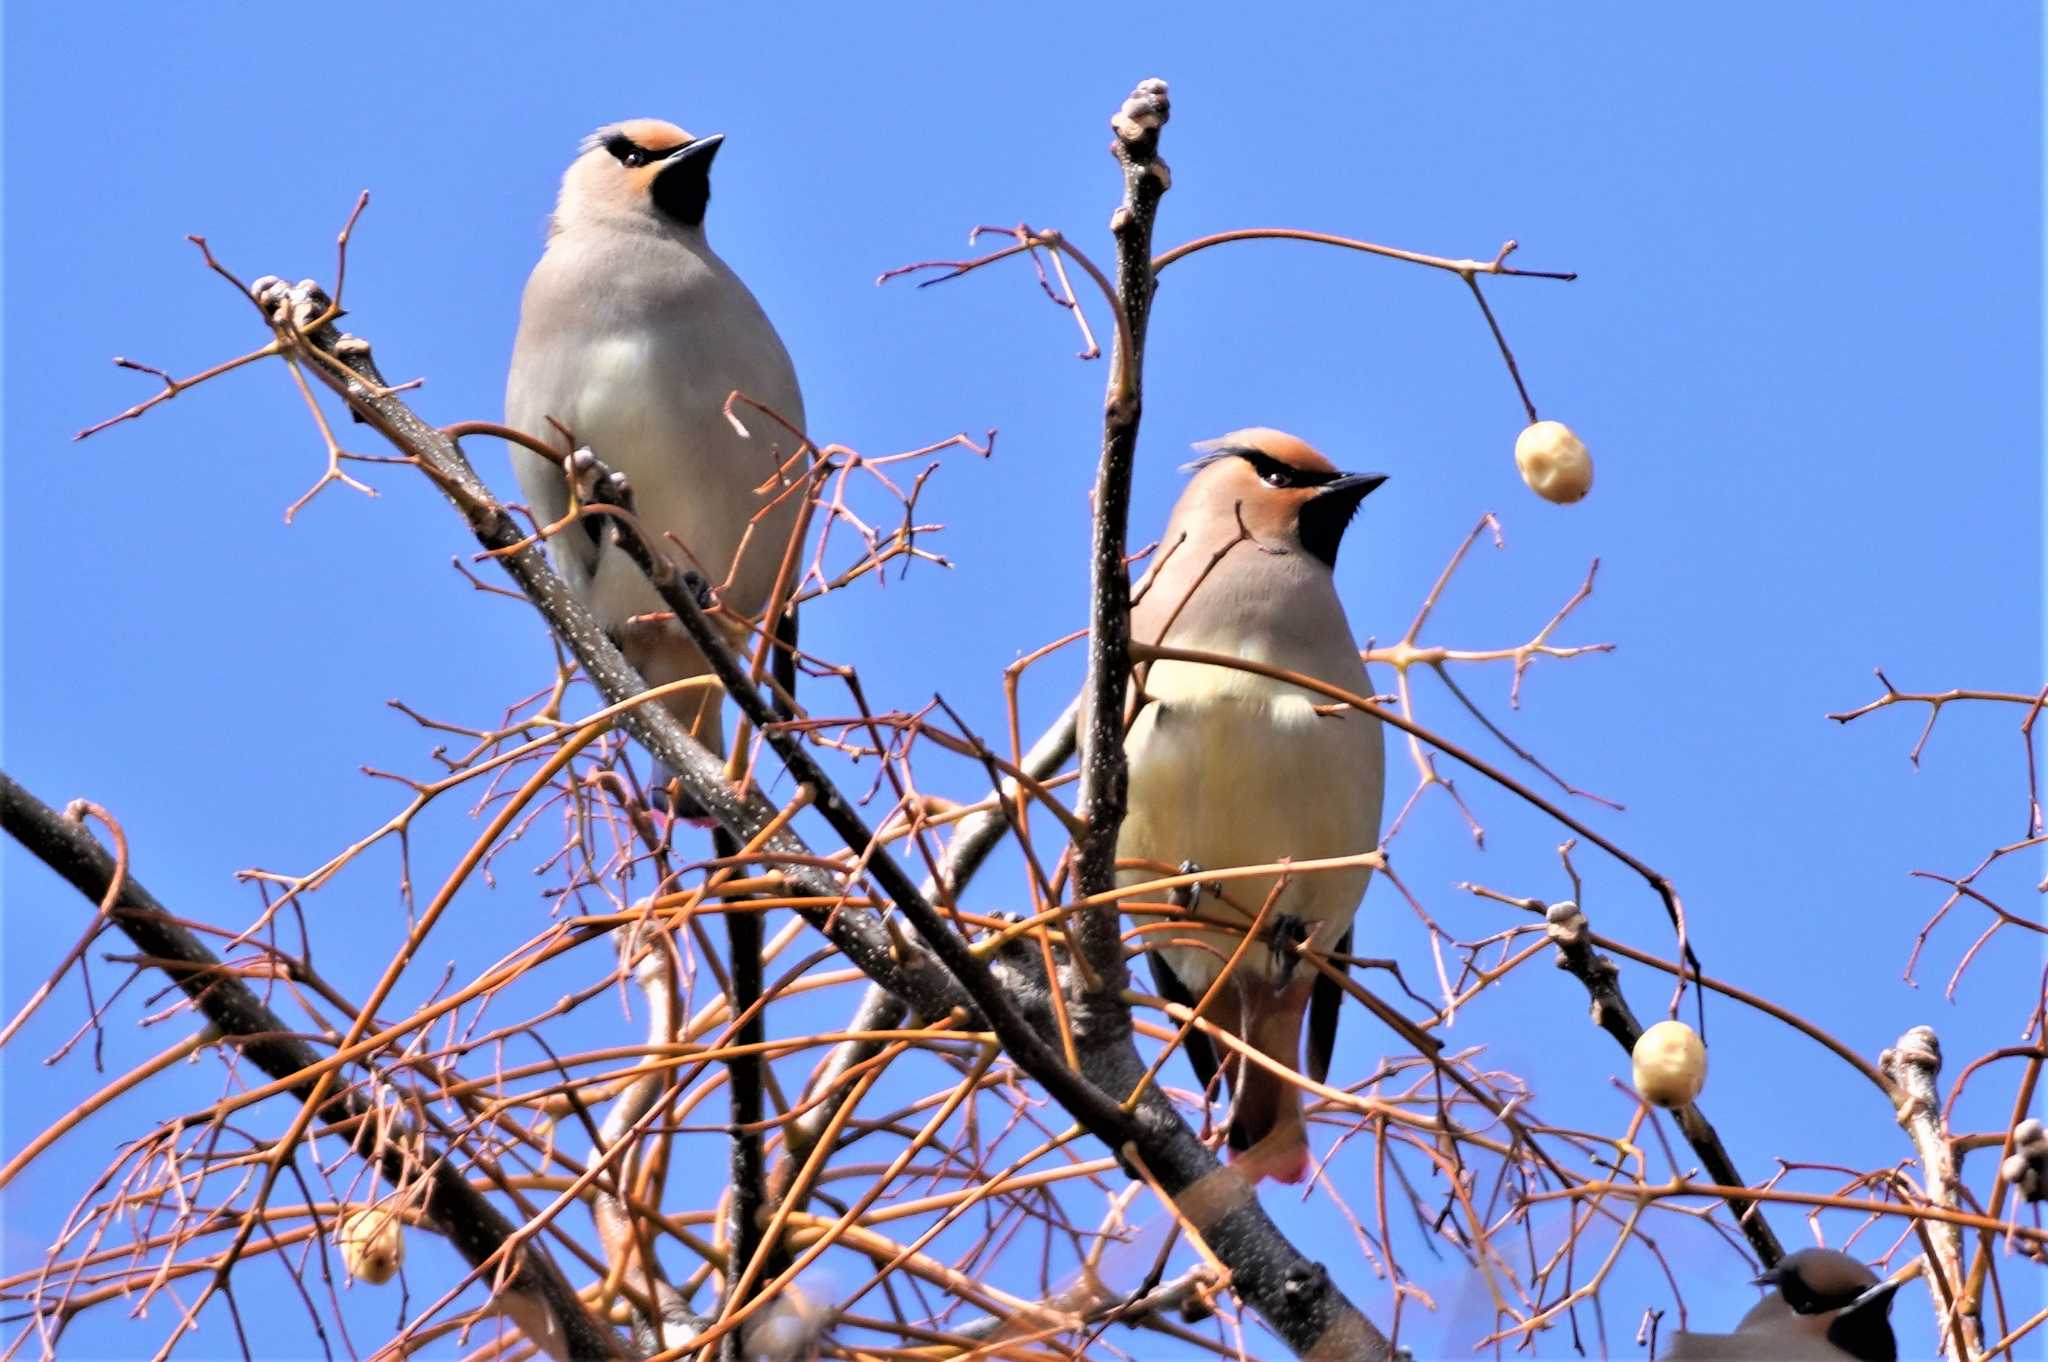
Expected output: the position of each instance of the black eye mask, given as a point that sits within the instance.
(631, 153)
(1274, 473)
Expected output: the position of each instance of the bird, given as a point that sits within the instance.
(632, 335)
(1824, 1304)
(1229, 768)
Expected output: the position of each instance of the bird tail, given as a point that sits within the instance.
(1268, 1133)
(783, 695)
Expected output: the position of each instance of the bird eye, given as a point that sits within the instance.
(1803, 1299)
(1272, 472)
(626, 151)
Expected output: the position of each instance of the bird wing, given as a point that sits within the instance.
(1323, 1003)
(1201, 1054)
(541, 385)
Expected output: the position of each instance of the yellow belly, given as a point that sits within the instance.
(1246, 777)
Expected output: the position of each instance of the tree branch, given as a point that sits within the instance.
(1012, 988)
(744, 1077)
(1105, 776)
(530, 1288)
(1612, 1014)
(879, 1010)
(1913, 1066)
(1269, 1273)
(980, 833)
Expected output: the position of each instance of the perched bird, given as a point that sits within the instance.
(1229, 769)
(1825, 1305)
(632, 334)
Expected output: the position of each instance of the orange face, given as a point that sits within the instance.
(641, 147)
(639, 166)
(1281, 488)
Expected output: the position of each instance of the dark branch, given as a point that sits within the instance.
(471, 1223)
(749, 1168)
(1612, 1014)
(1009, 990)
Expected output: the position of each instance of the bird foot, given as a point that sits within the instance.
(591, 482)
(584, 471)
(295, 305)
(1287, 932)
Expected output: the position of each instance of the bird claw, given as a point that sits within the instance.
(1289, 929)
(584, 470)
(1287, 932)
(295, 305)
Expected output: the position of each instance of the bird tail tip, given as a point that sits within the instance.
(1267, 1129)
(1282, 1160)
(1268, 1137)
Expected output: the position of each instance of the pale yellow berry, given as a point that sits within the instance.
(1670, 1064)
(372, 1243)
(1554, 462)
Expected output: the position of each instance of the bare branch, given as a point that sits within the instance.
(527, 1284)
(1612, 1014)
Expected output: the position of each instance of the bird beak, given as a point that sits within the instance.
(1878, 1296)
(1352, 487)
(700, 152)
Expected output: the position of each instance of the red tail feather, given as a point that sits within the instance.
(1268, 1135)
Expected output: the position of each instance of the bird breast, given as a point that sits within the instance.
(1233, 769)
(638, 363)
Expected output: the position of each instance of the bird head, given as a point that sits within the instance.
(1841, 1296)
(641, 168)
(1282, 490)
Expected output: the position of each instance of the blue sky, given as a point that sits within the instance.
(1805, 349)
